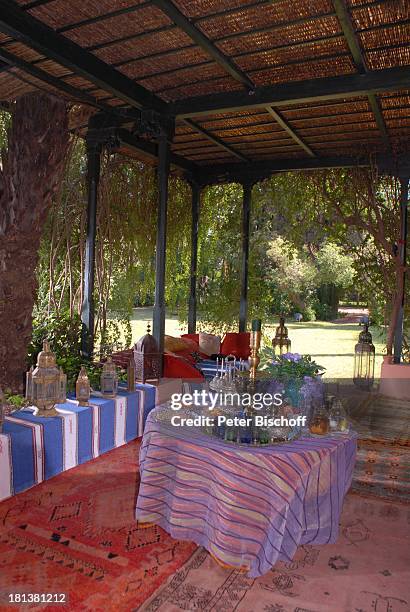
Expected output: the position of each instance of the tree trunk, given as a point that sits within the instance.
(395, 310)
(29, 177)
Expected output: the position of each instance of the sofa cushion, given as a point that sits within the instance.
(209, 344)
(178, 367)
(174, 344)
(194, 337)
(237, 344)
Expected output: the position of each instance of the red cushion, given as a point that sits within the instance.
(237, 344)
(178, 367)
(194, 337)
(187, 354)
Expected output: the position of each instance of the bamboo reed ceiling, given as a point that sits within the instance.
(188, 51)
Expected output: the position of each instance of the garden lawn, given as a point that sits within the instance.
(330, 344)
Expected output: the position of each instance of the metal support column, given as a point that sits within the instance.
(404, 203)
(196, 196)
(159, 306)
(87, 309)
(246, 216)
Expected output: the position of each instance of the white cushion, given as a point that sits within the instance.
(209, 343)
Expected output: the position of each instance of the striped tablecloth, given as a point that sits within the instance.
(33, 449)
(249, 507)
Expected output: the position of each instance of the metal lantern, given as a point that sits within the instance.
(147, 358)
(131, 375)
(109, 379)
(364, 358)
(82, 388)
(281, 342)
(46, 384)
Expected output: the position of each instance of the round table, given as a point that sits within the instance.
(248, 506)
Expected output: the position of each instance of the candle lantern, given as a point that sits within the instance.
(255, 343)
(82, 388)
(131, 375)
(147, 358)
(46, 384)
(281, 342)
(364, 358)
(109, 379)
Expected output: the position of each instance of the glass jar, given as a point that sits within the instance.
(337, 417)
(319, 423)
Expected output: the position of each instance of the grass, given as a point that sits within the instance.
(330, 345)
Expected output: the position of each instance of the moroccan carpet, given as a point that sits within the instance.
(76, 534)
(383, 455)
(367, 569)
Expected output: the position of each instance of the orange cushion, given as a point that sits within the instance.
(191, 345)
(174, 344)
(237, 344)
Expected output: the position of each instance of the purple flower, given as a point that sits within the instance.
(292, 357)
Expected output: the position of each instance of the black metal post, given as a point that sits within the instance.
(160, 256)
(246, 217)
(196, 196)
(404, 204)
(87, 309)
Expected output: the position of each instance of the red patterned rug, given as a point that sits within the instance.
(76, 534)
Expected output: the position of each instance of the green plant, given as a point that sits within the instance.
(15, 400)
(289, 366)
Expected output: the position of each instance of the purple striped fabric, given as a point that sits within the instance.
(249, 507)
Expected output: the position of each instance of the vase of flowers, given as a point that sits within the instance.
(300, 377)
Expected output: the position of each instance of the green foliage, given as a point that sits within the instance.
(5, 121)
(18, 401)
(305, 254)
(64, 335)
(333, 266)
(290, 366)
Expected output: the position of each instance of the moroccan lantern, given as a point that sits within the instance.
(46, 384)
(131, 375)
(147, 358)
(82, 388)
(281, 342)
(109, 379)
(364, 358)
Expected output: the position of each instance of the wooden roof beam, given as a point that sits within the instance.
(204, 42)
(25, 28)
(239, 172)
(151, 150)
(359, 59)
(296, 92)
(286, 126)
(14, 61)
(215, 139)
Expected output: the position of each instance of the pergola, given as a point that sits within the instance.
(219, 91)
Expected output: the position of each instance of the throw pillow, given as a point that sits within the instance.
(209, 343)
(174, 344)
